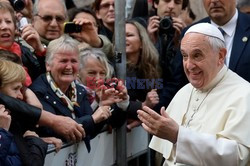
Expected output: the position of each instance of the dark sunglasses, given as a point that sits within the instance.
(107, 5)
(48, 18)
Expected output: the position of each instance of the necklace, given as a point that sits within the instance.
(195, 110)
(186, 124)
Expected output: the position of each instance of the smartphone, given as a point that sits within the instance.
(70, 27)
(22, 23)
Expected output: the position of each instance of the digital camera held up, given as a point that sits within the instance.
(18, 5)
(166, 26)
(111, 84)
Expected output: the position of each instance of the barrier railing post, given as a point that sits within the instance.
(120, 66)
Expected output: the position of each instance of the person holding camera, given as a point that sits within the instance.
(166, 18)
(95, 74)
(164, 30)
(88, 36)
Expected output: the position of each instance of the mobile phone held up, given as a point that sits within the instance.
(70, 27)
(23, 21)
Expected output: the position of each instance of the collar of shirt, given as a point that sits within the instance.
(230, 26)
(215, 81)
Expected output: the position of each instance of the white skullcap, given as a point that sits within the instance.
(206, 29)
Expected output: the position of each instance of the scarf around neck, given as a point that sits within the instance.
(70, 100)
(14, 48)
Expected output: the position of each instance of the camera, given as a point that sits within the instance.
(111, 84)
(71, 27)
(18, 5)
(166, 26)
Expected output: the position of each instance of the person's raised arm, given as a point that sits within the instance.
(64, 126)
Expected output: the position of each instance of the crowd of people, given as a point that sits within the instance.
(187, 80)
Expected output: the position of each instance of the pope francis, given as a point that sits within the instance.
(207, 121)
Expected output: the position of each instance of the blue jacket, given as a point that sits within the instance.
(9, 154)
(17, 151)
(240, 55)
(52, 103)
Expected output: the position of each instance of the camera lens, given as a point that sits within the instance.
(166, 23)
(18, 5)
(166, 26)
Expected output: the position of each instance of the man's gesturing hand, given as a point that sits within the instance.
(159, 125)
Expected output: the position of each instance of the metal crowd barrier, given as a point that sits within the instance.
(103, 150)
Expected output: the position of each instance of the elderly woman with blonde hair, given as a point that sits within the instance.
(60, 95)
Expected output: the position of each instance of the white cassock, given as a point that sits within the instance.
(215, 124)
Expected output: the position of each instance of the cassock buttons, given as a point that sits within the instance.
(80, 93)
(47, 97)
(244, 39)
(54, 102)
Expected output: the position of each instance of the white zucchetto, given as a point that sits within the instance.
(206, 29)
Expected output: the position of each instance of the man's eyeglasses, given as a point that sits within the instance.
(48, 19)
(107, 5)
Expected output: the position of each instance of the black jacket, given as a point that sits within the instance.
(34, 64)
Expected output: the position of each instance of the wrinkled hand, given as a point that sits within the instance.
(27, 11)
(153, 26)
(178, 25)
(5, 118)
(68, 128)
(159, 125)
(31, 36)
(53, 140)
(108, 95)
(89, 33)
(152, 99)
(101, 114)
(30, 133)
(122, 91)
(105, 96)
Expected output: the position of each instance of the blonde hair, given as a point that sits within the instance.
(6, 7)
(11, 72)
